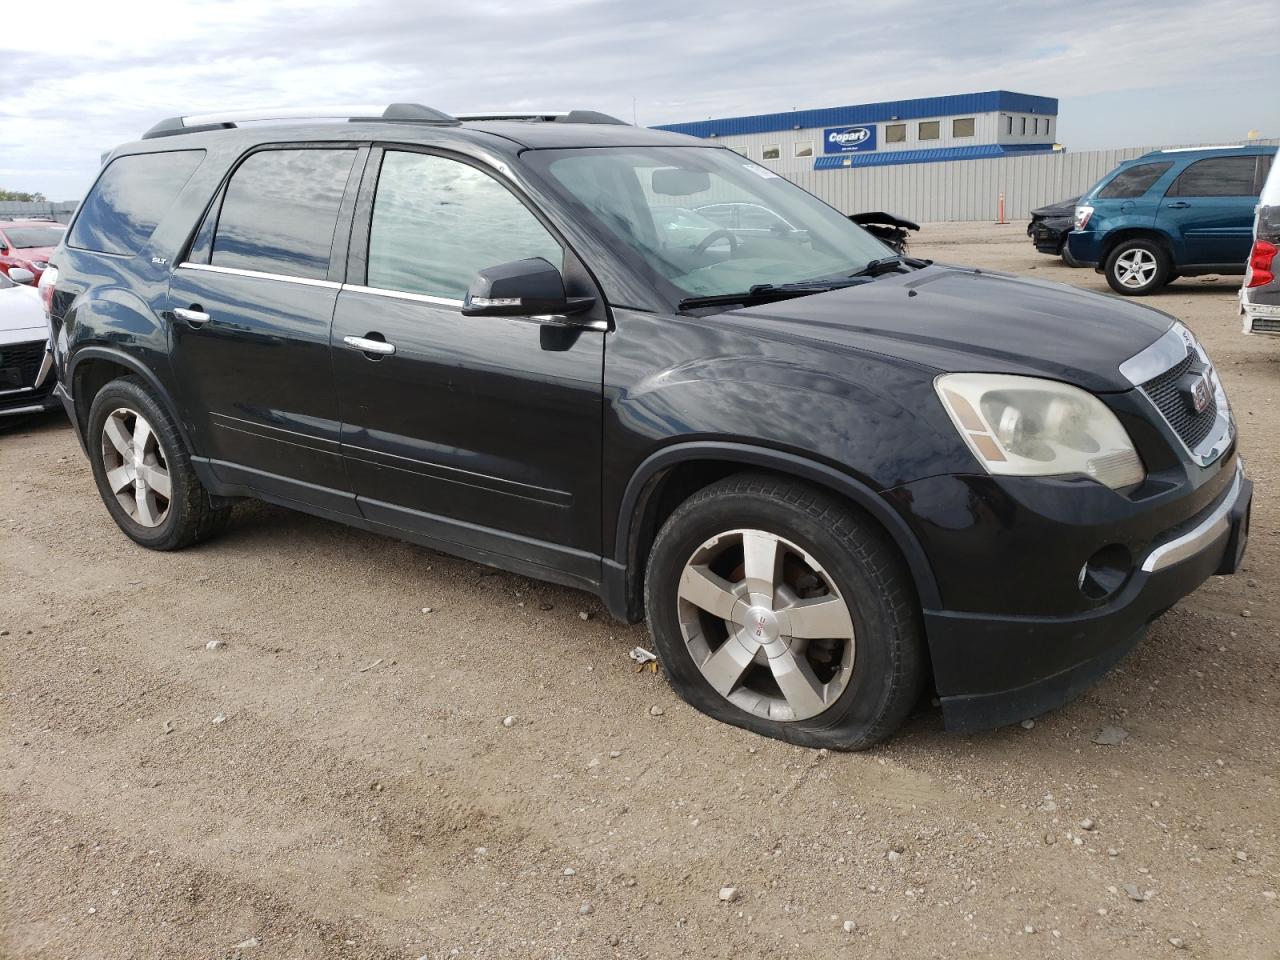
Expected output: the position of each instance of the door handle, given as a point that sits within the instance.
(197, 318)
(365, 345)
(1178, 205)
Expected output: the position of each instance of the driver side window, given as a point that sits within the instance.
(437, 222)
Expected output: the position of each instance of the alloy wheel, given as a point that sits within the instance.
(1135, 268)
(766, 625)
(135, 467)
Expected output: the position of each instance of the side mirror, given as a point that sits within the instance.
(21, 275)
(521, 288)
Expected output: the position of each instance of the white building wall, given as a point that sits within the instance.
(967, 189)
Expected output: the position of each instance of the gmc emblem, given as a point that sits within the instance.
(1201, 394)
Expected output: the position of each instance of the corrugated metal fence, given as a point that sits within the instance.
(17, 209)
(966, 189)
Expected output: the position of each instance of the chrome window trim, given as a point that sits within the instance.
(261, 275)
(1206, 532)
(402, 295)
(1169, 350)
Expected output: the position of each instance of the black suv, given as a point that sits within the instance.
(825, 472)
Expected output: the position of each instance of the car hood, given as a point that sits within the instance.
(1063, 208)
(21, 315)
(33, 253)
(955, 319)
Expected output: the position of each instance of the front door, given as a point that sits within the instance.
(481, 432)
(1208, 210)
(250, 311)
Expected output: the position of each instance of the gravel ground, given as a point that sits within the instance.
(335, 778)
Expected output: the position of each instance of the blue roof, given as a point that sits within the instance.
(963, 103)
(886, 157)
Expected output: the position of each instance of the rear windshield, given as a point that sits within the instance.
(1133, 182)
(22, 238)
(130, 198)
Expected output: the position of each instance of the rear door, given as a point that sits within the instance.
(1208, 210)
(480, 431)
(250, 310)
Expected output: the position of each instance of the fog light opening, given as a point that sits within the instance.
(1105, 572)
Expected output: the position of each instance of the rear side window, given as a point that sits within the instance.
(130, 198)
(1217, 177)
(1134, 181)
(280, 210)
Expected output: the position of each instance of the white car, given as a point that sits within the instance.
(26, 365)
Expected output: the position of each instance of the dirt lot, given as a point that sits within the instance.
(337, 781)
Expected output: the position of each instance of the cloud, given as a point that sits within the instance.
(112, 69)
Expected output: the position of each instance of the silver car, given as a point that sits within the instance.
(26, 365)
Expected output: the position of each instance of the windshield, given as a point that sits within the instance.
(709, 220)
(23, 237)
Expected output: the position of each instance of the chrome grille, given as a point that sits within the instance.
(1162, 390)
(19, 364)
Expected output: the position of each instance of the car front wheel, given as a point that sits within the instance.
(777, 607)
(1138, 267)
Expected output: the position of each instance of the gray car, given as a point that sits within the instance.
(1260, 294)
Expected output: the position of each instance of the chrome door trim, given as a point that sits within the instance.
(402, 295)
(237, 272)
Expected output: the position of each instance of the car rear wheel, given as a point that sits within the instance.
(1137, 267)
(143, 470)
(776, 607)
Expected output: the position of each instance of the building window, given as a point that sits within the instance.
(930, 130)
(1024, 126)
(771, 151)
(962, 127)
(895, 133)
(804, 148)
(1008, 125)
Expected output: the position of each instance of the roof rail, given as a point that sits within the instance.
(545, 116)
(395, 112)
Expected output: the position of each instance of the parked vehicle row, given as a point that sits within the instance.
(827, 473)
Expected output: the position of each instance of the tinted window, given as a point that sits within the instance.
(1133, 182)
(133, 193)
(1217, 177)
(931, 130)
(962, 127)
(437, 222)
(895, 133)
(280, 210)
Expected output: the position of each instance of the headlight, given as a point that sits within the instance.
(1026, 427)
(1082, 216)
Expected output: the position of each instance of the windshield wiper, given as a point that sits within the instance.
(885, 264)
(765, 292)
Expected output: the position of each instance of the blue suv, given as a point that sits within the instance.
(1171, 213)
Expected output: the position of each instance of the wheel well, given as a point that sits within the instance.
(669, 488)
(91, 376)
(1137, 233)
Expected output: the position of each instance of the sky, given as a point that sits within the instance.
(1180, 71)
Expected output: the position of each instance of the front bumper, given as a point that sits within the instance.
(1048, 235)
(34, 397)
(992, 670)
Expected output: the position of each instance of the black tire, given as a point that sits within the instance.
(1149, 250)
(888, 661)
(190, 517)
